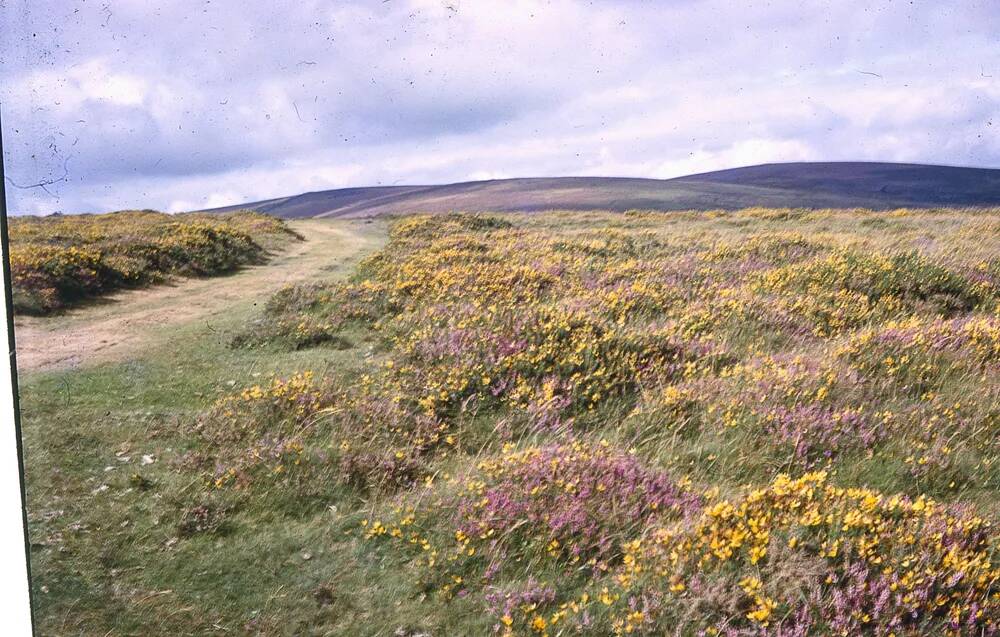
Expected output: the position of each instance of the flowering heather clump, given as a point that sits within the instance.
(905, 276)
(915, 349)
(724, 347)
(262, 429)
(383, 443)
(813, 427)
(56, 261)
(572, 506)
(531, 356)
(764, 251)
(577, 499)
(778, 405)
(846, 289)
(353, 434)
(882, 564)
(859, 561)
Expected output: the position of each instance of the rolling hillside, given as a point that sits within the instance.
(811, 185)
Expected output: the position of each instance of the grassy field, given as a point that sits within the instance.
(763, 422)
(59, 261)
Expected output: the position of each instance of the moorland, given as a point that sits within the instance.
(769, 421)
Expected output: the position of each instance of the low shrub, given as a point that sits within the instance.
(58, 261)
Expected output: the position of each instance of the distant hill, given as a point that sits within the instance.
(808, 185)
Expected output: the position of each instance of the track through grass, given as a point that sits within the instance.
(101, 435)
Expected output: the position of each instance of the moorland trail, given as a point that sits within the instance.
(122, 324)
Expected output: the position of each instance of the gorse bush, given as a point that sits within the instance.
(871, 564)
(56, 261)
(296, 316)
(712, 424)
(799, 557)
(847, 289)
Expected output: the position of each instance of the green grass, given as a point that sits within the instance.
(111, 561)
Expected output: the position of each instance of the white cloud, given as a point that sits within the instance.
(191, 104)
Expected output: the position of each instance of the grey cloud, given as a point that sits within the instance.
(193, 102)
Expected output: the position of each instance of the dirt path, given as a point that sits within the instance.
(121, 324)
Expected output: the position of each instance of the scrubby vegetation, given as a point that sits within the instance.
(56, 261)
(750, 423)
(764, 422)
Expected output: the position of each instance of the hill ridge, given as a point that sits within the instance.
(877, 185)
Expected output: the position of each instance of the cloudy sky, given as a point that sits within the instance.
(111, 104)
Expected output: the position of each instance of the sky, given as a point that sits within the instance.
(181, 105)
